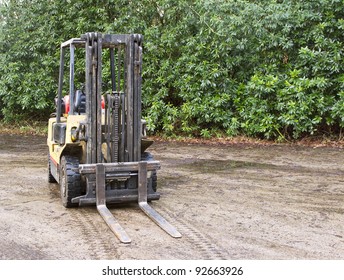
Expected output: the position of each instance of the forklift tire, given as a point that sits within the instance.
(146, 156)
(70, 186)
(51, 178)
(154, 178)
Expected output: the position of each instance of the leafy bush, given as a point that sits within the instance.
(269, 69)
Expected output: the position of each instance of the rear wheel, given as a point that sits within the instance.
(70, 186)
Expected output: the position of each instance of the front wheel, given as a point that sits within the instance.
(70, 186)
(153, 179)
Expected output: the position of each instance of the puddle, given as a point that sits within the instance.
(203, 166)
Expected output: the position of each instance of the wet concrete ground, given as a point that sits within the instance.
(237, 201)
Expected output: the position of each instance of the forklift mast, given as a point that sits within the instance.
(123, 113)
(120, 106)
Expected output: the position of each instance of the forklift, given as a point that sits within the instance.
(97, 140)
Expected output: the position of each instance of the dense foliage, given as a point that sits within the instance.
(268, 68)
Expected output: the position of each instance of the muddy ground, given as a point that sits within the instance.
(237, 201)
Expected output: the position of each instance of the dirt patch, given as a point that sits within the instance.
(229, 201)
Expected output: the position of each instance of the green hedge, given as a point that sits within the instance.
(269, 69)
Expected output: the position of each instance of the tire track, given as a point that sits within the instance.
(102, 243)
(203, 243)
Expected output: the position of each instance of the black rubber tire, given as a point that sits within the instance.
(154, 178)
(51, 178)
(146, 156)
(70, 186)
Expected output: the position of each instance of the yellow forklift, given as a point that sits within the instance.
(96, 138)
